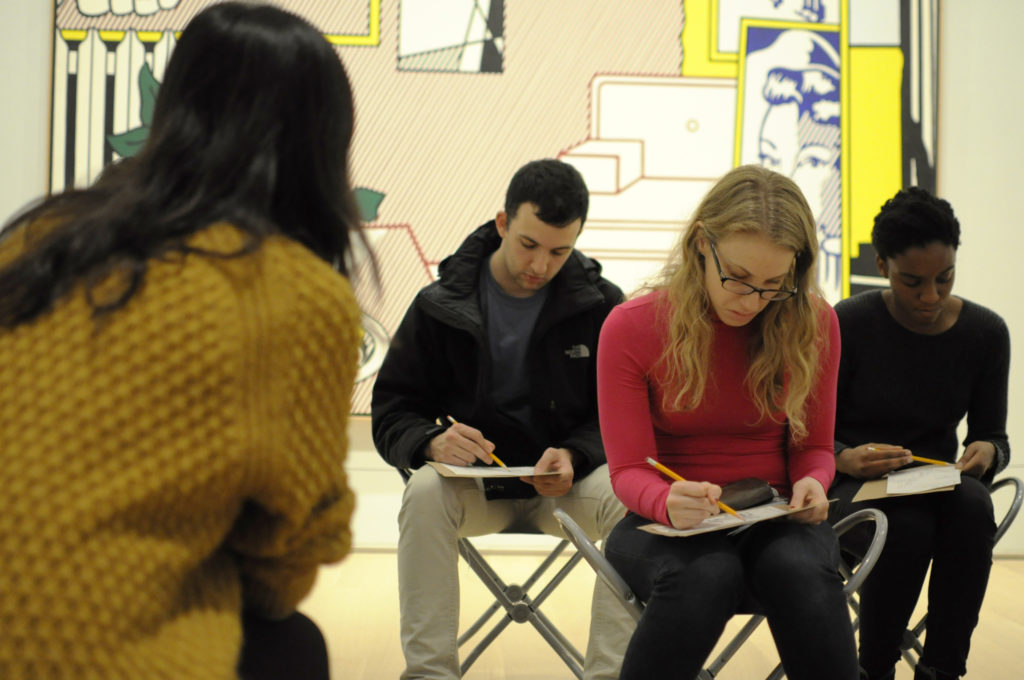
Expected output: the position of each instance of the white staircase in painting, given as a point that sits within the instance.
(656, 143)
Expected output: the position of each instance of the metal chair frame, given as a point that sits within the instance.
(854, 576)
(518, 605)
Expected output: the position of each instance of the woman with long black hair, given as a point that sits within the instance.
(178, 344)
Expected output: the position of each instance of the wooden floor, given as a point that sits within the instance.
(356, 605)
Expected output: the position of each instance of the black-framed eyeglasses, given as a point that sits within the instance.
(741, 288)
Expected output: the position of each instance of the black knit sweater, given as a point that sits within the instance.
(912, 390)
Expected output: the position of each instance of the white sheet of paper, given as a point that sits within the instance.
(922, 478)
(489, 471)
(758, 513)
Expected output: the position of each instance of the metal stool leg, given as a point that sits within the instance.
(519, 606)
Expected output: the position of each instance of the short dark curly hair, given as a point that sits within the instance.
(913, 218)
(555, 187)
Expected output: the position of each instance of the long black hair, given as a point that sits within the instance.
(252, 126)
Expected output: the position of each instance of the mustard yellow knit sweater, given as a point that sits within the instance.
(175, 460)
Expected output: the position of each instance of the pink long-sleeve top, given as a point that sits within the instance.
(724, 438)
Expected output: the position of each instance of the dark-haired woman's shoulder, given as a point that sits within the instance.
(315, 292)
(12, 244)
(283, 291)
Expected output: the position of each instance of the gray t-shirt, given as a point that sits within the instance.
(510, 321)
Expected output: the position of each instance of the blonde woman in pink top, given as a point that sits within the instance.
(726, 369)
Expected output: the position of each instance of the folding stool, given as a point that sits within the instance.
(853, 574)
(518, 605)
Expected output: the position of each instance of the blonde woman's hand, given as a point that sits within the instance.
(690, 503)
(809, 493)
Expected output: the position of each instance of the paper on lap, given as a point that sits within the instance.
(758, 513)
(489, 471)
(923, 479)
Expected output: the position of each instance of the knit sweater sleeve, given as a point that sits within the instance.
(986, 412)
(302, 349)
(627, 350)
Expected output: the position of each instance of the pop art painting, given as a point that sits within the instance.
(651, 102)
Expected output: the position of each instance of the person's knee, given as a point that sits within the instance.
(595, 493)
(972, 503)
(798, 565)
(717, 579)
(427, 494)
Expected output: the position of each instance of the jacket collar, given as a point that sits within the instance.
(573, 288)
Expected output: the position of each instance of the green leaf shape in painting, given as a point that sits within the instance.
(127, 144)
(148, 87)
(368, 201)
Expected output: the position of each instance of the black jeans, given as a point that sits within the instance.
(954, 531)
(693, 585)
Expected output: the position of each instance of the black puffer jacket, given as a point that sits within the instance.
(438, 365)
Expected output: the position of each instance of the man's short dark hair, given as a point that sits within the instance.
(913, 218)
(555, 187)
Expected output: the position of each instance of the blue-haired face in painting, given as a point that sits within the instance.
(800, 137)
(807, 10)
(811, 11)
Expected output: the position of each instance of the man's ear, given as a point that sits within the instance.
(501, 222)
(883, 268)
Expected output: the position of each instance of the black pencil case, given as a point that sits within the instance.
(748, 492)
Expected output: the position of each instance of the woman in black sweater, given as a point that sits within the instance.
(915, 361)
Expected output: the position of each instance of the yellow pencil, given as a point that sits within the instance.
(496, 459)
(661, 468)
(919, 459)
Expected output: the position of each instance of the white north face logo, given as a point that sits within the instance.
(578, 352)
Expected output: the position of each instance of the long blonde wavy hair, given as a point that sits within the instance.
(749, 199)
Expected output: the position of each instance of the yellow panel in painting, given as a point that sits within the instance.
(371, 38)
(699, 25)
(876, 146)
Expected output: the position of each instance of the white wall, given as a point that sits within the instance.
(25, 48)
(979, 172)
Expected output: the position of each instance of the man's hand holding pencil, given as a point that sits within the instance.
(461, 445)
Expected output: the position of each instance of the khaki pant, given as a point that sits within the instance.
(437, 511)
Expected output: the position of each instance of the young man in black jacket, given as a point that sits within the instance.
(498, 355)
